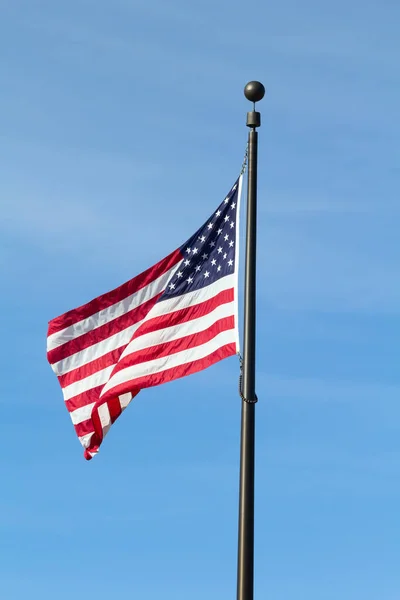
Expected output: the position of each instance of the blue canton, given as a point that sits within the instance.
(210, 253)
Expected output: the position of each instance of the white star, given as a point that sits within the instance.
(186, 263)
(212, 244)
(226, 218)
(225, 255)
(204, 256)
(206, 274)
(210, 226)
(233, 205)
(230, 262)
(172, 286)
(219, 268)
(220, 250)
(217, 214)
(198, 268)
(202, 238)
(213, 262)
(189, 279)
(219, 231)
(234, 187)
(194, 251)
(188, 250)
(231, 244)
(232, 224)
(226, 237)
(226, 200)
(179, 274)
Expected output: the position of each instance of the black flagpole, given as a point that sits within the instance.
(254, 91)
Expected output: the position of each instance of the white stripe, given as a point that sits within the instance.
(112, 312)
(101, 377)
(82, 414)
(85, 439)
(175, 332)
(105, 419)
(122, 338)
(124, 400)
(167, 362)
(78, 387)
(237, 242)
(192, 298)
(83, 357)
(117, 340)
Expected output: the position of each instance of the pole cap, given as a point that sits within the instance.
(254, 91)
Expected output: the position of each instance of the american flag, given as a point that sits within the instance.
(175, 318)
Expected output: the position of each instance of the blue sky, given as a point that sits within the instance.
(122, 126)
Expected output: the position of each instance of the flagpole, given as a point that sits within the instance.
(254, 91)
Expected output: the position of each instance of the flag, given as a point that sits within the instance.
(174, 319)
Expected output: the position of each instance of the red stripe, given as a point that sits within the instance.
(185, 314)
(93, 449)
(170, 320)
(111, 358)
(166, 349)
(120, 293)
(84, 398)
(92, 396)
(175, 346)
(175, 372)
(103, 332)
(84, 428)
(114, 407)
(97, 437)
(149, 381)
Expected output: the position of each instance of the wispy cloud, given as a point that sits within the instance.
(314, 265)
(330, 390)
(306, 260)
